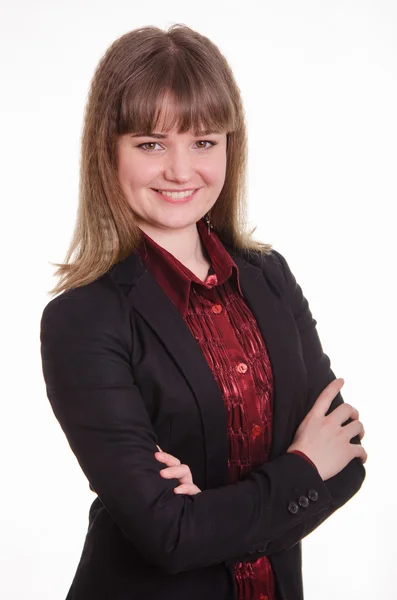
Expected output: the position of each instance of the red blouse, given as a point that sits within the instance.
(219, 318)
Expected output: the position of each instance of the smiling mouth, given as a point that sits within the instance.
(175, 191)
(176, 197)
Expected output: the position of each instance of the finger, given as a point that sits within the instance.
(182, 473)
(167, 458)
(343, 413)
(359, 452)
(326, 397)
(352, 429)
(178, 471)
(188, 489)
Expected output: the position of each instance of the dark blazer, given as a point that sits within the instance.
(124, 373)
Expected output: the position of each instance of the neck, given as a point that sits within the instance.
(185, 244)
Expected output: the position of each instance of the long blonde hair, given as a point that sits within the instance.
(129, 85)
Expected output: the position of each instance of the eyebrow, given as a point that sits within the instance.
(161, 136)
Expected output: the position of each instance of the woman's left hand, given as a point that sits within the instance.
(175, 470)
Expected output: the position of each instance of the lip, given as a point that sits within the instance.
(176, 200)
(177, 190)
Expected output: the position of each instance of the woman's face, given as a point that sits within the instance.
(172, 161)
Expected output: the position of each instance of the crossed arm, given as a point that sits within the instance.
(85, 355)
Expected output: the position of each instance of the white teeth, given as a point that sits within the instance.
(177, 195)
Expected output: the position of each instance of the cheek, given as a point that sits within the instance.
(215, 172)
(132, 173)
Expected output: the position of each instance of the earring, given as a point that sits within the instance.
(207, 219)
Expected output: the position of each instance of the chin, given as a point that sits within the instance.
(181, 220)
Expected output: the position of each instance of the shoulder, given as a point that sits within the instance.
(85, 338)
(269, 260)
(100, 304)
(272, 264)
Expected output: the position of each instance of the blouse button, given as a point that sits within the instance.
(211, 280)
(256, 430)
(217, 308)
(263, 597)
(242, 368)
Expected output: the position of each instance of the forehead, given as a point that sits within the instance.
(167, 116)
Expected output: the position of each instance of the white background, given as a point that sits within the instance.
(318, 80)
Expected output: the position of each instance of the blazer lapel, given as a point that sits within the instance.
(275, 324)
(153, 304)
(150, 301)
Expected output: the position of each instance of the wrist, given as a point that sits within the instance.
(303, 455)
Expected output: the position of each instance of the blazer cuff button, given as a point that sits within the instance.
(303, 501)
(313, 495)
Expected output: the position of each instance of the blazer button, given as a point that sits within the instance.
(303, 501)
(313, 495)
(293, 508)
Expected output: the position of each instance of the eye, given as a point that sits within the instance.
(155, 143)
(147, 144)
(207, 142)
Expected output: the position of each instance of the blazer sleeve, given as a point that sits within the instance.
(345, 484)
(86, 346)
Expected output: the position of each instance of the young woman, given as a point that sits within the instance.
(174, 330)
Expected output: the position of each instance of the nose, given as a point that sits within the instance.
(178, 166)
